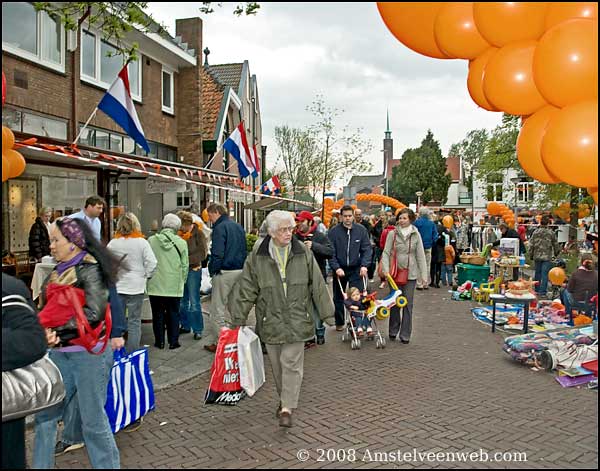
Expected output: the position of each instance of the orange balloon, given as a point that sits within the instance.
(501, 23)
(412, 24)
(5, 168)
(565, 63)
(493, 208)
(529, 145)
(593, 192)
(477, 69)
(455, 32)
(508, 82)
(8, 138)
(563, 11)
(570, 146)
(557, 276)
(17, 162)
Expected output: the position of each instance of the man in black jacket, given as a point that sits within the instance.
(39, 235)
(307, 232)
(352, 255)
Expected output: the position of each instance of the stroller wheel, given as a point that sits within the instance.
(353, 345)
(344, 338)
(378, 344)
(382, 342)
(358, 344)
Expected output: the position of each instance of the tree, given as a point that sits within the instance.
(340, 152)
(470, 151)
(297, 149)
(421, 169)
(248, 8)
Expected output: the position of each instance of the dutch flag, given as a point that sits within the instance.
(237, 145)
(117, 104)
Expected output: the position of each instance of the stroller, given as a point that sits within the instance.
(372, 314)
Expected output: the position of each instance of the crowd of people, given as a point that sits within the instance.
(284, 278)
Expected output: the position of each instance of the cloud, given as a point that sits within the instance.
(345, 52)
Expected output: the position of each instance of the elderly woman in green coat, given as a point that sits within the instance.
(165, 288)
(283, 280)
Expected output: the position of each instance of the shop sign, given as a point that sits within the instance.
(161, 185)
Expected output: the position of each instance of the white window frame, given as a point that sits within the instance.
(528, 192)
(37, 58)
(170, 110)
(96, 81)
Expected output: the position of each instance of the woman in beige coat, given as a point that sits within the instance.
(409, 254)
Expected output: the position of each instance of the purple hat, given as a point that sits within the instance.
(73, 233)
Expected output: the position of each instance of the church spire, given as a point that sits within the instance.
(388, 133)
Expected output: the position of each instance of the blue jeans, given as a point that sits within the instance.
(541, 274)
(85, 377)
(360, 320)
(447, 272)
(190, 309)
(132, 304)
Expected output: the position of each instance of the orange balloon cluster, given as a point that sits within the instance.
(499, 209)
(13, 163)
(564, 211)
(538, 60)
(386, 200)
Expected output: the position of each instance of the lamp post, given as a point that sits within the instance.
(419, 194)
(515, 181)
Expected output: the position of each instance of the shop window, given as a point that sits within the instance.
(184, 200)
(100, 64)
(116, 143)
(168, 105)
(32, 35)
(128, 145)
(11, 118)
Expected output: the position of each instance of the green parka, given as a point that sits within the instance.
(279, 318)
(171, 252)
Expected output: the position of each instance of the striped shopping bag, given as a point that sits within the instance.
(130, 393)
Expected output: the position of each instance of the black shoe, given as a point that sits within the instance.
(393, 337)
(184, 331)
(285, 419)
(159, 345)
(174, 346)
(405, 341)
(437, 285)
(309, 344)
(197, 336)
(420, 288)
(320, 340)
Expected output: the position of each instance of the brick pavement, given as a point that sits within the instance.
(451, 390)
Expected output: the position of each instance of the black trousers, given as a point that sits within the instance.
(436, 272)
(352, 277)
(165, 313)
(13, 444)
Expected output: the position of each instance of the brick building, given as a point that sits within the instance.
(55, 79)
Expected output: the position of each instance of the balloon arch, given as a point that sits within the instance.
(329, 205)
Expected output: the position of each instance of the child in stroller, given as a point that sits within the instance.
(355, 304)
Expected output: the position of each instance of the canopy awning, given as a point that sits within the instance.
(269, 203)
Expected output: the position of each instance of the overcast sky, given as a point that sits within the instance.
(345, 52)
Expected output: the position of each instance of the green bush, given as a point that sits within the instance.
(250, 241)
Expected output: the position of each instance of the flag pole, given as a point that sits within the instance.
(85, 126)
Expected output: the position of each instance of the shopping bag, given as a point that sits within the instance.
(130, 392)
(225, 387)
(250, 358)
(206, 283)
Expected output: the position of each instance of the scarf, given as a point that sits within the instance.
(63, 266)
(188, 234)
(133, 235)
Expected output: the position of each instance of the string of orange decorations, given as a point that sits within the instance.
(329, 205)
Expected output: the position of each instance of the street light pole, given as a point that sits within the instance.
(419, 194)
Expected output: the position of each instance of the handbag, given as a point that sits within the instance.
(130, 391)
(34, 387)
(224, 387)
(400, 275)
(250, 358)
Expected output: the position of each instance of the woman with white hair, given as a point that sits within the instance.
(283, 280)
(39, 235)
(140, 263)
(165, 288)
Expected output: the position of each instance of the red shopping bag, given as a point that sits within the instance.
(225, 387)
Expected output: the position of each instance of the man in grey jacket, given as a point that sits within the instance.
(543, 246)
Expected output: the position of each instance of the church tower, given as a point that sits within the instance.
(388, 151)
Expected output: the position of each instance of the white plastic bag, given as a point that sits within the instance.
(206, 283)
(250, 358)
